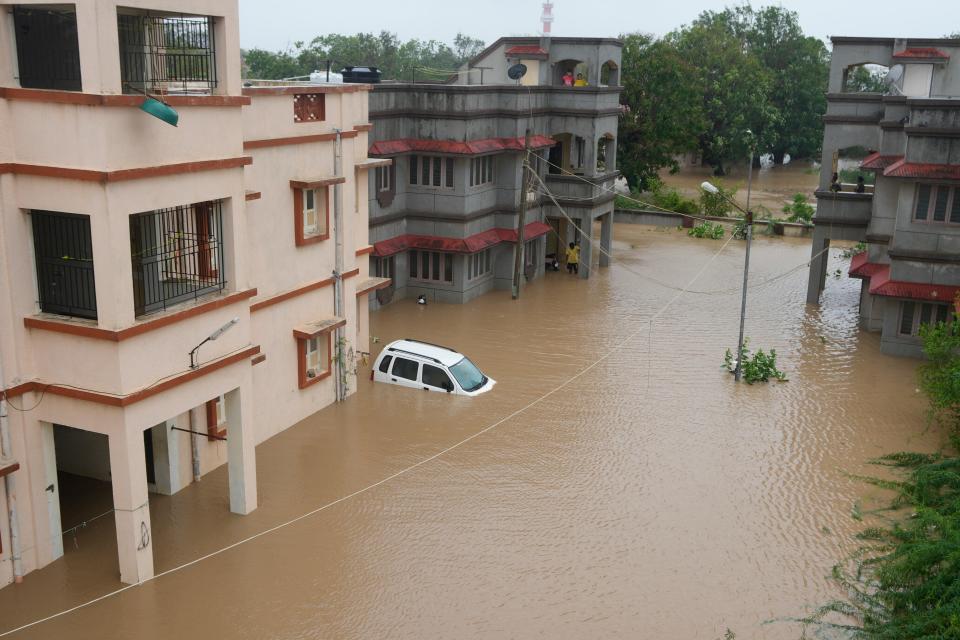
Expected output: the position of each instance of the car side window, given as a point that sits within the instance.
(385, 364)
(403, 368)
(436, 377)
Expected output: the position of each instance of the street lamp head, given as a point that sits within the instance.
(219, 332)
(709, 188)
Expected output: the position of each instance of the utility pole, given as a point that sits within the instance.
(748, 219)
(521, 218)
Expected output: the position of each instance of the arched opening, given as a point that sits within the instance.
(568, 72)
(847, 170)
(609, 74)
(568, 155)
(865, 77)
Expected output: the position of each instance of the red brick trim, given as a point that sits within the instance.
(252, 195)
(365, 250)
(279, 142)
(214, 432)
(132, 398)
(86, 331)
(366, 126)
(260, 358)
(294, 293)
(95, 99)
(92, 175)
(287, 91)
(5, 471)
(302, 380)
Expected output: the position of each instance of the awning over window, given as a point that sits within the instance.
(925, 170)
(921, 54)
(877, 162)
(470, 244)
(861, 268)
(466, 147)
(372, 284)
(882, 285)
(314, 182)
(323, 325)
(372, 163)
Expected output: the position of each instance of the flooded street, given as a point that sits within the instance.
(773, 186)
(651, 497)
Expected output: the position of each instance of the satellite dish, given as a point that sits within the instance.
(517, 71)
(892, 79)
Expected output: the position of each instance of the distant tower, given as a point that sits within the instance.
(546, 18)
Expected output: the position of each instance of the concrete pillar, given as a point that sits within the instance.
(606, 238)
(818, 265)
(128, 473)
(586, 246)
(241, 454)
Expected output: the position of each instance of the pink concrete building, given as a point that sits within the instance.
(126, 242)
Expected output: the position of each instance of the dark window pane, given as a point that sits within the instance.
(425, 265)
(437, 168)
(448, 268)
(926, 313)
(906, 318)
(385, 364)
(407, 369)
(940, 207)
(435, 377)
(449, 176)
(435, 273)
(923, 201)
(942, 312)
(413, 264)
(413, 169)
(425, 170)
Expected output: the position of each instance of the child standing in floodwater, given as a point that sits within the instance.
(573, 258)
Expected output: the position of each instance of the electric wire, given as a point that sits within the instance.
(389, 478)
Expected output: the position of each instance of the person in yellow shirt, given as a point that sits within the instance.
(573, 259)
(580, 81)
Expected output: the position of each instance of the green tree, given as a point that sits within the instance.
(664, 113)
(862, 79)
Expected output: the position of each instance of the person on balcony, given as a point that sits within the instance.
(835, 183)
(861, 187)
(568, 79)
(580, 81)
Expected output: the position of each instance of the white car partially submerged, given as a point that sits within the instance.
(421, 365)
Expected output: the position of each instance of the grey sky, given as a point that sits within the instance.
(276, 24)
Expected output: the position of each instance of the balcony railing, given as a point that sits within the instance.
(48, 53)
(843, 208)
(177, 255)
(160, 54)
(64, 258)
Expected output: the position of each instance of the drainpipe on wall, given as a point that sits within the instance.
(194, 448)
(338, 308)
(10, 486)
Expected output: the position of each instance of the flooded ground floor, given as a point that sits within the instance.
(615, 484)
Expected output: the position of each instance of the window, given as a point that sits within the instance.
(309, 107)
(177, 255)
(383, 267)
(407, 369)
(481, 170)
(383, 178)
(311, 215)
(479, 264)
(48, 53)
(314, 358)
(436, 377)
(431, 171)
(164, 53)
(431, 265)
(913, 315)
(581, 152)
(63, 252)
(530, 253)
(216, 418)
(385, 364)
(937, 203)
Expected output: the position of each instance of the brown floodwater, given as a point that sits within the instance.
(773, 186)
(652, 497)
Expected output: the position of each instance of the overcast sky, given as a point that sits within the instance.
(277, 24)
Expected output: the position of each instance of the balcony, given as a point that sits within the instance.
(843, 208)
(587, 190)
(164, 54)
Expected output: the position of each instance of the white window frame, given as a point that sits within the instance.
(221, 410)
(309, 230)
(384, 267)
(915, 320)
(312, 352)
(481, 170)
(383, 179)
(479, 264)
(430, 164)
(416, 265)
(952, 203)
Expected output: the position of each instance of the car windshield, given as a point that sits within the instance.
(468, 375)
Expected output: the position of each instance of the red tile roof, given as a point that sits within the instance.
(468, 147)
(921, 53)
(526, 49)
(877, 162)
(882, 285)
(471, 244)
(904, 169)
(861, 268)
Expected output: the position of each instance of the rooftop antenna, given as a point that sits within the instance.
(546, 19)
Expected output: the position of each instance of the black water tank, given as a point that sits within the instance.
(368, 75)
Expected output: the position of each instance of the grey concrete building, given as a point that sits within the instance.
(443, 217)
(910, 220)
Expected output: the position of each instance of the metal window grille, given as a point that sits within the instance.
(177, 255)
(64, 256)
(160, 54)
(48, 53)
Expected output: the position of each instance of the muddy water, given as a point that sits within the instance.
(649, 498)
(772, 188)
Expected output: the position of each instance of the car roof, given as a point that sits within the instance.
(446, 357)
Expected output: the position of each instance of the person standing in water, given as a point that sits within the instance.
(573, 258)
